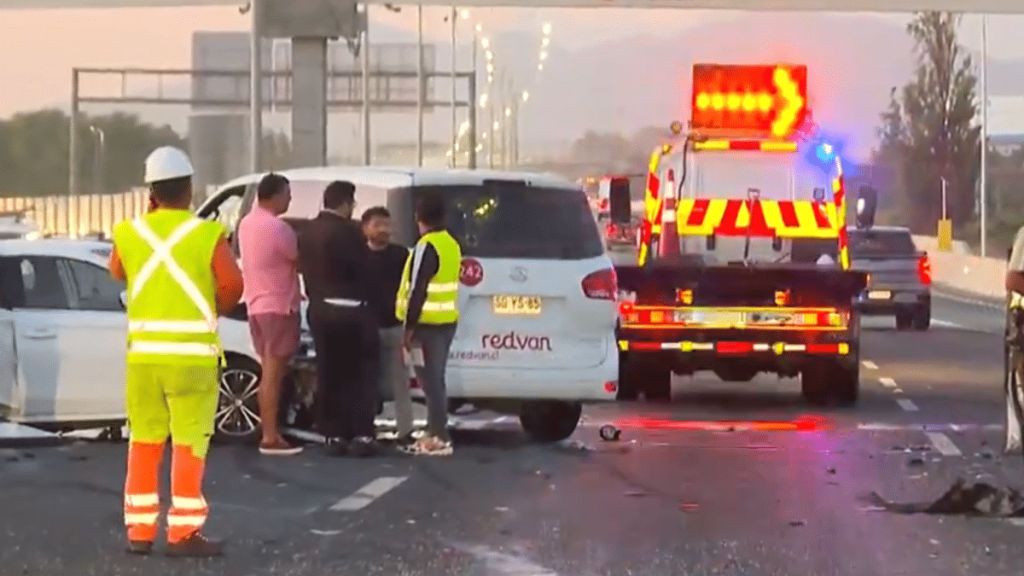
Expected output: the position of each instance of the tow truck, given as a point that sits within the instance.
(738, 271)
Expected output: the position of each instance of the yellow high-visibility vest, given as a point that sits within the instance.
(443, 289)
(172, 310)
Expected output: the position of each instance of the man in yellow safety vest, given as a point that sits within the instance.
(180, 273)
(427, 303)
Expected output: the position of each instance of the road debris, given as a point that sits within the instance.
(979, 499)
(609, 433)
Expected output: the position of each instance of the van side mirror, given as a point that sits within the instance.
(710, 242)
(1009, 253)
(123, 298)
(867, 205)
(777, 244)
(620, 205)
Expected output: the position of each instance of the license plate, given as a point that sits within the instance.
(517, 305)
(879, 294)
(709, 317)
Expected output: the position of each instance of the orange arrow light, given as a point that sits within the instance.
(791, 103)
(766, 99)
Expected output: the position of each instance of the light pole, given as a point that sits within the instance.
(419, 85)
(983, 195)
(101, 148)
(101, 143)
(255, 87)
(454, 62)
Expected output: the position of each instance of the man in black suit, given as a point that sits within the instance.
(334, 257)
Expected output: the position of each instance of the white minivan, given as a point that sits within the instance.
(538, 294)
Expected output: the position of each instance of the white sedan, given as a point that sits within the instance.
(63, 331)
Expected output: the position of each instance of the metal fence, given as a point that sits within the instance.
(84, 215)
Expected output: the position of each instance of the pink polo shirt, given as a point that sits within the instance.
(270, 258)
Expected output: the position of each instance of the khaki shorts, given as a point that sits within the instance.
(275, 335)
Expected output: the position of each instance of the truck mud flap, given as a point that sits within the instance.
(13, 435)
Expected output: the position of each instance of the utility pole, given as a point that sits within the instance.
(455, 120)
(983, 194)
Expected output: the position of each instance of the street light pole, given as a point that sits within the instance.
(983, 194)
(455, 122)
(365, 64)
(420, 85)
(255, 88)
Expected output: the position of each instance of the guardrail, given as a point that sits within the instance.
(81, 215)
(963, 271)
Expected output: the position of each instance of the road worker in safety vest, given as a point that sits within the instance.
(427, 304)
(180, 274)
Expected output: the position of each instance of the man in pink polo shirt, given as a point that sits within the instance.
(270, 271)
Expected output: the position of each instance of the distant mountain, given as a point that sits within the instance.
(621, 85)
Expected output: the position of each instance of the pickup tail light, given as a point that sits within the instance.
(601, 285)
(924, 270)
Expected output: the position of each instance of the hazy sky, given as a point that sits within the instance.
(40, 46)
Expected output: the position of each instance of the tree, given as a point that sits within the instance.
(34, 152)
(929, 128)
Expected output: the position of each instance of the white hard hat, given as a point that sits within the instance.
(167, 163)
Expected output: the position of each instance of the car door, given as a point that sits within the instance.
(48, 385)
(93, 344)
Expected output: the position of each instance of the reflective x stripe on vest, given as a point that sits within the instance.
(440, 306)
(141, 331)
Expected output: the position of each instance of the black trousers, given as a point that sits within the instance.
(348, 362)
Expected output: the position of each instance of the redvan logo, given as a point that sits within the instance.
(513, 341)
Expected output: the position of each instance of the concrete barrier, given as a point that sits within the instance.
(963, 271)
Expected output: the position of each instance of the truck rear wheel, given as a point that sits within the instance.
(628, 379)
(922, 318)
(657, 383)
(904, 319)
(829, 383)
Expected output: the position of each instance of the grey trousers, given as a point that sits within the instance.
(435, 341)
(394, 377)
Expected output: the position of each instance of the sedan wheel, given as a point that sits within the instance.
(238, 416)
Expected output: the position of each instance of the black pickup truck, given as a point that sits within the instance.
(899, 276)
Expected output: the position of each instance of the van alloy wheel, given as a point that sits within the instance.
(238, 414)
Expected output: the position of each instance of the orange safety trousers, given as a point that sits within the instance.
(163, 401)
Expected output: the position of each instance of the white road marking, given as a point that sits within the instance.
(1018, 522)
(906, 404)
(870, 365)
(367, 494)
(897, 390)
(886, 427)
(943, 444)
(887, 382)
(945, 323)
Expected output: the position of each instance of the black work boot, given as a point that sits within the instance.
(140, 547)
(196, 546)
(337, 447)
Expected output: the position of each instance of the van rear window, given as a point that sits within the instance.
(881, 243)
(512, 220)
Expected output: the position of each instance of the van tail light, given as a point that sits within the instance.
(924, 270)
(611, 230)
(601, 285)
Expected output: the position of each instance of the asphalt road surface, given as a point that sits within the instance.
(680, 494)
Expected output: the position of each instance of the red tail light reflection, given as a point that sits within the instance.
(800, 424)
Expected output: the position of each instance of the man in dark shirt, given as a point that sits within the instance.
(333, 257)
(386, 263)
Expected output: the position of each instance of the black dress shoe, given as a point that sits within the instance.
(363, 447)
(196, 546)
(336, 447)
(140, 547)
